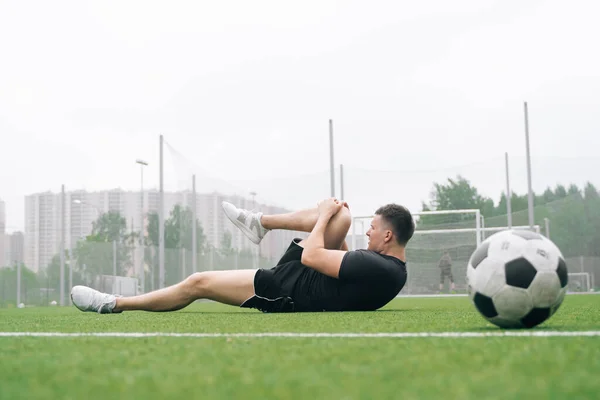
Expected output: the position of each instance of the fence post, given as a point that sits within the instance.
(114, 257)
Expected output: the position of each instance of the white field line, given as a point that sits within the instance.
(408, 296)
(309, 335)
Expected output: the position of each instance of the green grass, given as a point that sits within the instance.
(298, 368)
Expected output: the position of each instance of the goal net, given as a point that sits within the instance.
(579, 282)
(440, 236)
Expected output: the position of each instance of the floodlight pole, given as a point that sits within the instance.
(332, 174)
(18, 267)
(71, 261)
(194, 233)
(342, 182)
(508, 195)
(62, 246)
(142, 273)
(530, 190)
(161, 223)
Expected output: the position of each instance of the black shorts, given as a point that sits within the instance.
(273, 287)
(446, 272)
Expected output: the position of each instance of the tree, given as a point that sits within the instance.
(574, 213)
(573, 189)
(108, 227)
(519, 203)
(178, 230)
(152, 235)
(30, 286)
(178, 244)
(560, 192)
(590, 192)
(455, 194)
(548, 196)
(96, 254)
(49, 278)
(225, 247)
(592, 216)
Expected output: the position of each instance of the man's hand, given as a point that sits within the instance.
(329, 207)
(315, 255)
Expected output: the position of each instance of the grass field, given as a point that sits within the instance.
(298, 367)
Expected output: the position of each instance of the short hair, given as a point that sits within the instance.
(401, 220)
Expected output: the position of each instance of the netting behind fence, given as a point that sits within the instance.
(570, 215)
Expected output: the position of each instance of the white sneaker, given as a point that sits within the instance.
(88, 299)
(247, 221)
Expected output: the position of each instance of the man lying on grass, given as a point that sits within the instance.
(314, 274)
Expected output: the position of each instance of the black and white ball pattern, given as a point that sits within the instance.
(517, 279)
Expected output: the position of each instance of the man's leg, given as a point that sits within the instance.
(305, 220)
(235, 287)
(255, 225)
(227, 287)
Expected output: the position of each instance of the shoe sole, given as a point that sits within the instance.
(249, 234)
(73, 302)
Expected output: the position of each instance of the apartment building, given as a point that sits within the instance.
(43, 212)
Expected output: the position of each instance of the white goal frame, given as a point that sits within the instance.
(478, 230)
(587, 279)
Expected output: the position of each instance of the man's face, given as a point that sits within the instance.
(377, 233)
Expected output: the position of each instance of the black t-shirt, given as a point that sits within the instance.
(367, 281)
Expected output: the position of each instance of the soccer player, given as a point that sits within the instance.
(315, 274)
(445, 266)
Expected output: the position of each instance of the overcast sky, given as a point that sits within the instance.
(243, 90)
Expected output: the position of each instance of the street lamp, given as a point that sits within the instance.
(258, 253)
(98, 213)
(77, 201)
(142, 272)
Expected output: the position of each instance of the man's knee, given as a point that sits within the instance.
(344, 218)
(197, 284)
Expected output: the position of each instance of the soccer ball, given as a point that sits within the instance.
(517, 279)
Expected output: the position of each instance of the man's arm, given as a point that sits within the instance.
(315, 255)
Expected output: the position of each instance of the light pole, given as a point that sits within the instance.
(142, 274)
(258, 253)
(12, 260)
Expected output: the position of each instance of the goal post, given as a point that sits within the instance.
(476, 217)
(579, 282)
(455, 232)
